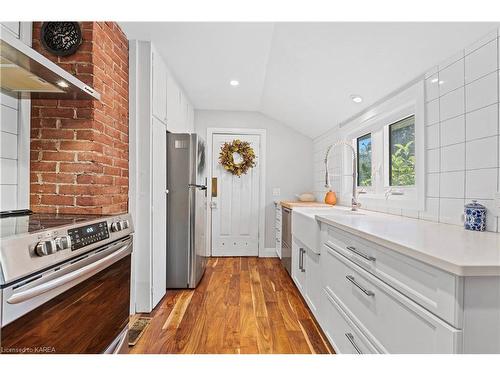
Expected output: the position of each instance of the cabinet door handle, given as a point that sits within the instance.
(363, 289)
(301, 259)
(303, 253)
(350, 337)
(362, 255)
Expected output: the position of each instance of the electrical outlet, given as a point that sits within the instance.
(276, 192)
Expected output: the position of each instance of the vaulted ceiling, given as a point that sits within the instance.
(302, 74)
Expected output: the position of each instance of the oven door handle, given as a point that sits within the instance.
(92, 268)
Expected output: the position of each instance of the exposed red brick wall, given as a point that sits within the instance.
(79, 148)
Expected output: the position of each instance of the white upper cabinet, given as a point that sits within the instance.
(172, 104)
(159, 88)
(180, 112)
(190, 118)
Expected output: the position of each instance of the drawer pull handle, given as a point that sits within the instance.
(301, 259)
(350, 337)
(362, 255)
(363, 289)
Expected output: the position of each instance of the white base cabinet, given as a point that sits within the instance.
(298, 266)
(369, 299)
(306, 275)
(394, 323)
(343, 334)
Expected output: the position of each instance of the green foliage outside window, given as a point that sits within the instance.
(364, 152)
(403, 165)
(402, 152)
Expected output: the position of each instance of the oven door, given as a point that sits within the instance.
(81, 306)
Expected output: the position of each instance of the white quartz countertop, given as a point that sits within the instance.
(448, 247)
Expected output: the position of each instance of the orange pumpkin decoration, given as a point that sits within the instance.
(331, 198)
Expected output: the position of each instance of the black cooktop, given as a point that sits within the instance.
(28, 222)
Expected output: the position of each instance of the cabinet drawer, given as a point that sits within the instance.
(436, 290)
(342, 333)
(393, 322)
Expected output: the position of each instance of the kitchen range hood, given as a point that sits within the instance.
(25, 73)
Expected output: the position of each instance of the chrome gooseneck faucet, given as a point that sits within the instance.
(354, 201)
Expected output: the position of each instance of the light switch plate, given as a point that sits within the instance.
(276, 192)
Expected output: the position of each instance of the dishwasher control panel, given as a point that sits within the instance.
(88, 234)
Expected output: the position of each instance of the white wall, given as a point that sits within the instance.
(288, 156)
(14, 138)
(462, 138)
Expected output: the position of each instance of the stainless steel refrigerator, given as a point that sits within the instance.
(187, 210)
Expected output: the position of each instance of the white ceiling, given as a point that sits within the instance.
(302, 74)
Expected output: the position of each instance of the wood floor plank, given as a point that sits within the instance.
(248, 323)
(242, 305)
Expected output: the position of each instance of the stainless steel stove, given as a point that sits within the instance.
(64, 283)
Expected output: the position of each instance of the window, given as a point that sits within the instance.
(402, 152)
(389, 141)
(364, 152)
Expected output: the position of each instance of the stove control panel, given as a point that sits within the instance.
(119, 225)
(51, 246)
(88, 234)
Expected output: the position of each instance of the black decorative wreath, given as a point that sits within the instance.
(61, 38)
(244, 150)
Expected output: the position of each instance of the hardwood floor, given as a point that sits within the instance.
(242, 305)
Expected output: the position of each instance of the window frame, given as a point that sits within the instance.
(369, 134)
(409, 102)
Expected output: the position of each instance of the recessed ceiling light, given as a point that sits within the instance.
(234, 82)
(356, 98)
(62, 84)
(434, 80)
(441, 82)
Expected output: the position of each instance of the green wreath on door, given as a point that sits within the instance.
(242, 148)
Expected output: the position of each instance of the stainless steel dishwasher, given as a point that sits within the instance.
(286, 240)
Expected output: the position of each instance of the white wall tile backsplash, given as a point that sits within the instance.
(9, 130)
(452, 131)
(482, 92)
(482, 122)
(432, 112)
(452, 184)
(452, 104)
(481, 62)
(451, 210)
(8, 153)
(8, 115)
(432, 157)
(481, 183)
(451, 77)
(462, 138)
(432, 136)
(8, 197)
(453, 158)
(482, 153)
(432, 185)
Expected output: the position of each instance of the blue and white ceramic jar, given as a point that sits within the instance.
(475, 216)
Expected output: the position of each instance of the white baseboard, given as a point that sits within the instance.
(230, 253)
(268, 252)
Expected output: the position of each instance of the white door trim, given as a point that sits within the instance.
(262, 188)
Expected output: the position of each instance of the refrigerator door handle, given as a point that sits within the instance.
(201, 187)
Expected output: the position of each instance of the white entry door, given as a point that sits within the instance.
(235, 209)
(159, 216)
